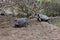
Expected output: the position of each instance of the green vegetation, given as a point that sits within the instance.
(51, 7)
(51, 13)
(57, 23)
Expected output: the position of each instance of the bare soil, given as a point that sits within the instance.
(34, 31)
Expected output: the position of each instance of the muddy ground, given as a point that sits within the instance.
(34, 31)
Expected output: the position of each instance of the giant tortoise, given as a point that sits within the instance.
(42, 17)
(21, 22)
(2, 12)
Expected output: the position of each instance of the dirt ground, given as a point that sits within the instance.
(34, 31)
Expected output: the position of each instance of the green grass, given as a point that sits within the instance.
(57, 23)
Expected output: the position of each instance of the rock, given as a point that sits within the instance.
(21, 22)
(11, 10)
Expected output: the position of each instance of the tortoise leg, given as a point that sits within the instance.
(25, 25)
(38, 19)
(16, 26)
